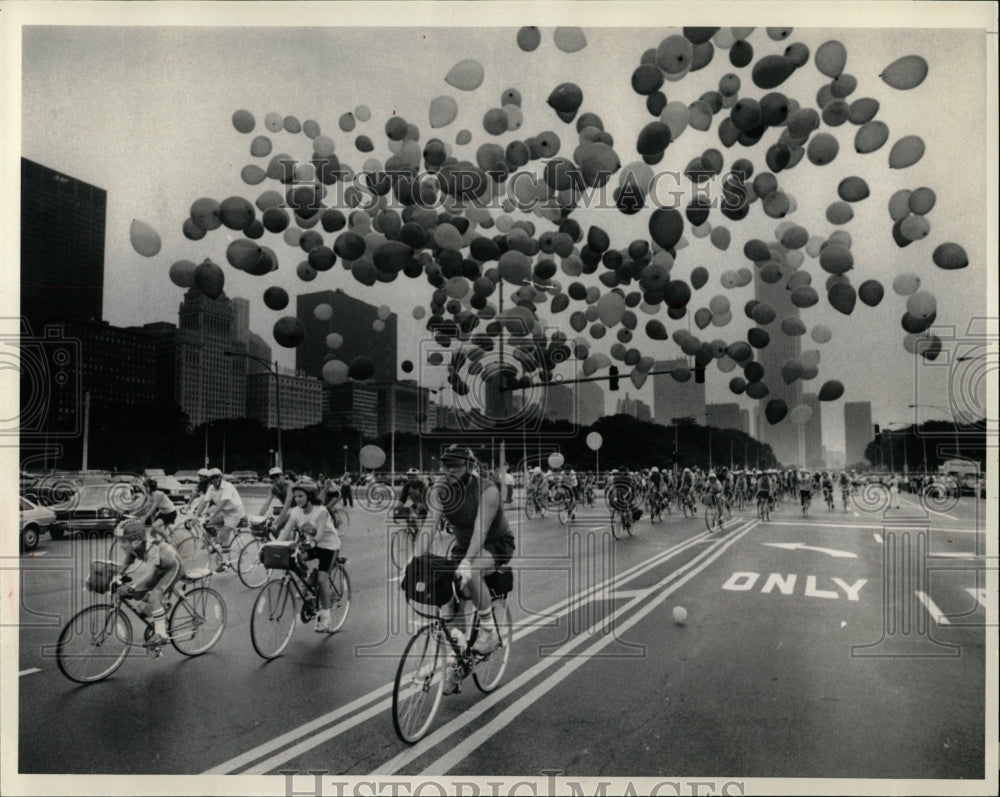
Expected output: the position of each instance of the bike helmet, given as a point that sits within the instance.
(655, 469)
(131, 530)
(308, 486)
(413, 472)
(457, 453)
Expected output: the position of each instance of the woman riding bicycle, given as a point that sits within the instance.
(312, 520)
(161, 513)
(164, 568)
(483, 539)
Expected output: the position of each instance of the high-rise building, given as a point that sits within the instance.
(635, 407)
(590, 402)
(725, 416)
(812, 431)
(210, 385)
(560, 403)
(352, 405)
(402, 406)
(301, 401)
(241, 320)
(858, 430)
(352, 319)
(164, 335)
(675, 397)
(782, 436)
(258, 347)
(62, 246)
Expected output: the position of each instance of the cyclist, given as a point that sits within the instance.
(281, 483)
(763, 488)
(483, 539)
(163, 569)
(161, 513)
(198, 498)
(827, 484)
(535, 484)
(655, 488)
(805, 489)
(714, 487)
(224, 511)
(312, 520)
(414, 490)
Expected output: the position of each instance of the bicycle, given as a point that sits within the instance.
(654, 504)
(714, 515)
(806, 501)
(533, 507)
(97, 639)
(275, 611)
(249, 566)
(622, 519)
(563, 498)
(403, 541)
(420, 676)
(687, 503)
(828, 496)
(764, 507)
(845, 493)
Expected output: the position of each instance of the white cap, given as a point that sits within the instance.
(275, 471)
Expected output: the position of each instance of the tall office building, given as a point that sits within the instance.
(354, 321)
(725, 416)
(677, 399)
(301, 399)
(241, 320)
(164, 335)
(62, 246)
(257, 346)
(210, 385)
(813, 433)
(783, 437)
(402, 406)
(858, 431)
(635, 407)
(352, 405)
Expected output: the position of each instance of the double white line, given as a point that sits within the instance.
(276, 752)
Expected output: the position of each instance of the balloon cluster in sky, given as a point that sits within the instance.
(429, 215)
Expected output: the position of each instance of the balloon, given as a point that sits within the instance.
(809, 359)
(528, 38)
(831, 58)
(801, 415)
(594, 441)
(145, 240)
(699, 277)
(305, 272)
(703, 317)
(804, 296)
(737, 385)
(610, 308)
(914, 228)
(334, 340)
(566, 98)
(243, 121)
(831, 391)
(720, 238)
(757, 390)
(674, 55)
(853, 189)
(906, 283)
(791, 370)
(289, 331)
(182, 273)
(378, 325)
(371, 457)
(209, 279)
(335, 372)
(870, 137)
(763, 314)
(443, 111)
(905, 152)
(836, 259)
(793, 326)
(842, 297)
(205, 214)
(821, 333)
(362, 368)
(772, 70)
(569, 40)
(775, 411)
(655, 329)
(323, 312)
(921, 304)
(871, 292)
(822, 149)
(666, 225)
(466, 75)
(950, 256)
(758, 337)
(905, 73)
(236, 212)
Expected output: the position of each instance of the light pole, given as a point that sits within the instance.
(273, 370)
(345, 459)
(958, 450)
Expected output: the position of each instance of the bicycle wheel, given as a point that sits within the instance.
(197, 621)
(419, 684)
(712, 518)
(489, 670)
(628, 522)
(273, 619)
(401, 547)
(565, 515)
(249, 568)
(616, 524)
(94, 643)
(530, 509)
(340, 598)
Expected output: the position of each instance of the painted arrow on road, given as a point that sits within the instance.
(801, 546)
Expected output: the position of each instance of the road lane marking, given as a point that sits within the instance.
(878, 538)
(928, 509)
(801, 546)
(28, 672)
(480, 736)
(521, 629)
(932, 609)
(802, 526)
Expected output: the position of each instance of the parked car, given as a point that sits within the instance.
(96, 507)
(244, 477)
(176, 491)
(34, 520)
(973, 485)
(187, 476)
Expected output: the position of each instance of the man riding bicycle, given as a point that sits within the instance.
(483, 539)
(414, 490)
(163, 569)
(225, 511)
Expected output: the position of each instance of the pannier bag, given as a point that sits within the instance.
(428, 580)
(278, 555)
(500, 582)
(102, 573)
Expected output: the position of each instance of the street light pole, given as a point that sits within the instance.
(273, 370)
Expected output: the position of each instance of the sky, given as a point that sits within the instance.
(145, 112)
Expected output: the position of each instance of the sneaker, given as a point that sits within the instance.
(486, 641)
(155, 641)
(321, 623)
(451, 684)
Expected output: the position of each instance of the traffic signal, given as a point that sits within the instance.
(613, 382)
(699, 374)
(876, 430)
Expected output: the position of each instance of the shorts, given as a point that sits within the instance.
(325, 557)
(763, 495)
(501, 548)
(803, 494)
(167, 517)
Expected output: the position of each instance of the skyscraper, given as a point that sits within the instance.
(813, 433)
(210, 385)
(782, 436)
(858, 431)
(725, 416)
(354, 320)
(635, 407)
(301, 400)
(677, 399)
(62, 246)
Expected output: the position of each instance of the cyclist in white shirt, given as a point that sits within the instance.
(312, 519)
(224, 509)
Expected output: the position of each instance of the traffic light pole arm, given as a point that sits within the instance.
(607, 378)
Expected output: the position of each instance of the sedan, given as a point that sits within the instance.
(97, 507)
(34, 520)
